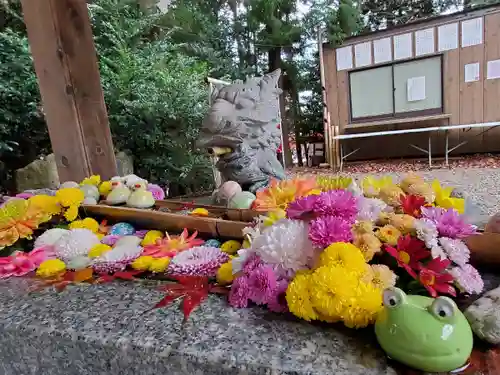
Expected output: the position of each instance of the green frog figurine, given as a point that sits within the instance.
(424, 333)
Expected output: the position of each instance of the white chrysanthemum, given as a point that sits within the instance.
(252, 232)
(369, 209)
(75, 243)
(116, 259)
(50, 237)
(427, 232)
(438, 252)
(238, 262)
(355, 189)
(286, 244)
(198, 261)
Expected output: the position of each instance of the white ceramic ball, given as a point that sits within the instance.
(228, 189)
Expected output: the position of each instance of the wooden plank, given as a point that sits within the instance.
(344, 100)
(332, 95)
(491, 139)
(64, 56)
(394, 121)
(451, 91)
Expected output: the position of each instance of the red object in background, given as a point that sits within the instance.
(280, 148)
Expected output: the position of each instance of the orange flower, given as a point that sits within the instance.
(18, 219)
(280, 193)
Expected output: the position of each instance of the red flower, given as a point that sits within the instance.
(434, 277)
(412, 204)
(408, 253)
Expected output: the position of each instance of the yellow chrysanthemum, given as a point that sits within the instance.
(371, 186)
(298, 298)
(142, 263)
(368, 243)
(423, 190)
(92, 180)
(343, 254)
(333, 183)
(273, 216)
(381, 276)
(410, 179)
(389, 234)
(151, 237)
(98, 250)
(46, 203)
(404, 223)
(159, 264)
(364, 307)
(51, 268)
(231, 246)
(225, 273)
(68, 197)
(105, 188)
(87, 223)
(391, 194)
(362, 227)
(71, 213)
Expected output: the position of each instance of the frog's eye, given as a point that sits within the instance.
(393, 297)
(443, 308)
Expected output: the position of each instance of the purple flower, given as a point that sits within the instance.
(468, 279)
(300, 208)
(110, 239)
(141, 233)
(262, 285)
(238, 296)
(198, 261)
(251, 263)
(278, 301)
(324, 231)
(369, 209)
(449, 222)
(157, 191)
(456, 250)
(339, 203)
(24, 195)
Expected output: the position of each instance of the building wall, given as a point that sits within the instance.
(466, 102)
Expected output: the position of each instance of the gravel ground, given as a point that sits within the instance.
(482, 185)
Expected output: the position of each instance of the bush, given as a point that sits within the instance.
(156, 97)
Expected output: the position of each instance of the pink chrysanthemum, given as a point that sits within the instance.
(198, 261)
(324, 231)
(252, 262)
(157, 191)
(302, 207)
(449, 222)
(468, 279)
(278, 303)
(262, 284)
(340, 203)
(456, 250)
(110, 239)
(238, 296)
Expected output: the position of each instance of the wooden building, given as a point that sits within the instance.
(439, 71)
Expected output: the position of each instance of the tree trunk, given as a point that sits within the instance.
(274, 62)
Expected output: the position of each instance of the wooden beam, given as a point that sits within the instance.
(61, 41)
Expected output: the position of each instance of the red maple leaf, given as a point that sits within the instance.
(193, 290)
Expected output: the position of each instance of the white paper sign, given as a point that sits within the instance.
(472, 32)
(493, 68)
(424, 42)
(471, 72)
(344, 58)
(415, 89)
(382, 50)
(402, 46)
(448, 37)
(363, 54)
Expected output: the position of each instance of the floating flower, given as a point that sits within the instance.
(427, 232)
(92, 180)
(412, 205)
(74, 243)
(87, 223)
(368, 243)
(468, 279)
(272, 217)
(225, 274)
(151, 237)
(18, 219)
(389, 234)
(46, 203)
(285, 245)
(408, 253)
(238, 296)
(449, 222)
(456, 250)
(280, 193)
(262, 283)
(391, 194)
(435, 279)
(70, 199)
(371, 185)
(344, 255)
(110, 239)
(340, 203)
(157, 191)
(302, 208)
(172, 245)
(51, 268)
(277, 302)
(380, 276)
(21, 263)
(117, 259)
(369, 209)
(298, 298)
(98, 249)
(329, 229)
(142, 263)
(159, 265)
(230, 247)
(198, 261)
(326, 183)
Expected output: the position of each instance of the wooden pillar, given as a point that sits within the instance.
(61, 41)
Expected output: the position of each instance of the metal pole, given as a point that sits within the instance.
(329, 157)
